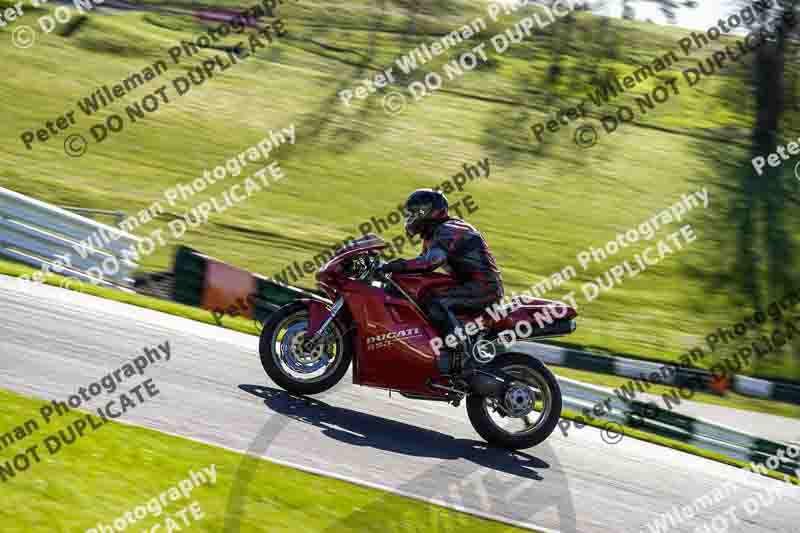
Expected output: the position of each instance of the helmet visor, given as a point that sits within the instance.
(415, 218)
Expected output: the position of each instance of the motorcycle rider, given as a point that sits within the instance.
(459, 248)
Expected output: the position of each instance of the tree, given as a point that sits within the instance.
(770, 189)
(668, 8)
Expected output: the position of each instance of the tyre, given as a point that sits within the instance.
(289, 365)
(529, 411)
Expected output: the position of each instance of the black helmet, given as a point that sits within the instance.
(423, 209)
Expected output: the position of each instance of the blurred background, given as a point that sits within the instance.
(543, 202)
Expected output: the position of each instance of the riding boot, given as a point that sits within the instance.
(463, 348)
(446, 361)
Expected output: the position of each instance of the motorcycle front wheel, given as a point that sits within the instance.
(295, 369)
(529, 410)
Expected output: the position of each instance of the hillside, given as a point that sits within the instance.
(541, 205)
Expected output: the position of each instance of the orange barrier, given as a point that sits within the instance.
(229, 290)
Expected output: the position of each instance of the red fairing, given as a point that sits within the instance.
(539, 313)
(419, 285)
(373, 244)
(558, 309)
(318, 312)
(392, 338)
(329, 276)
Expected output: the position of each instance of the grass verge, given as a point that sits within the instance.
(107, 473)
(139, 300)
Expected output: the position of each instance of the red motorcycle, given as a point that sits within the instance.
(374, 321)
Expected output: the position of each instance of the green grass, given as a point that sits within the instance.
(139, 300)
(540, 207)
(118, 467)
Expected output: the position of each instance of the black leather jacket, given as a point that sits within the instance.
(460, 249)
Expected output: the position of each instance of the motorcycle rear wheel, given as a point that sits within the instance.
(293, 368)
(533, 390)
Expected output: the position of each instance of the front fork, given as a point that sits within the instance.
(320, 319)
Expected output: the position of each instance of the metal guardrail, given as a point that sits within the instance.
(119, 215)
(48, 237)
(635, 368)
(651, 418)
(705, 435)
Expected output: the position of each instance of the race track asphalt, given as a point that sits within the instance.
(214, 390)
